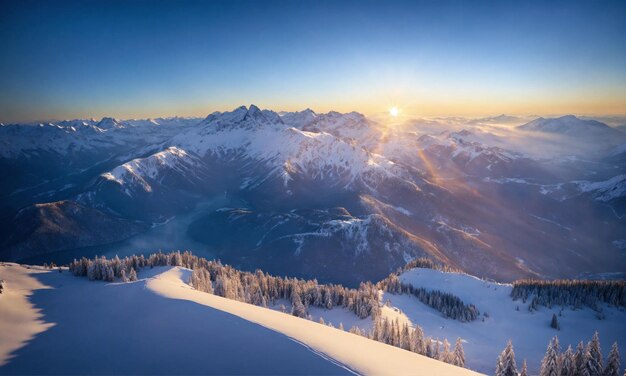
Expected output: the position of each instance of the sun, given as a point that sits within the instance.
(393, 111)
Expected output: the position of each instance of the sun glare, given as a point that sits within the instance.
(393, 111)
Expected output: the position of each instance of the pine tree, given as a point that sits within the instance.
(554, 324)
(568, 363)
(579, 358)
(506, 362)
(123, 276)
(132, 275)
(613, 362)
(436, 352)
(550, 362)
(459, 354)
(594, 364)
(405, 338)
(419, 345)
(590, 365)
(524, 371)
(445, 355)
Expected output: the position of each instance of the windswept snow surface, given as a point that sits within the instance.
(484, 340)
(61, 324)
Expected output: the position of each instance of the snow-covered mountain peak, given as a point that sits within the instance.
(567, 125)
(110, 123)
(242, 117)
(298, 119)
(138, 172)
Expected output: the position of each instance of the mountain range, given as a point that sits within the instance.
(338, 197)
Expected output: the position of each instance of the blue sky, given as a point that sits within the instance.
(139, 58)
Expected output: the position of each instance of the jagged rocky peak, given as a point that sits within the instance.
(110, 123)
(298, 119)
(243, 116)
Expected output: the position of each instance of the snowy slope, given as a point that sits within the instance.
(134, 174)
(605, 190)
(484, 340)
(61, 324)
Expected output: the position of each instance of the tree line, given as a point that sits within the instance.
(572, 293)
(586, 360)
(426, 263)
(257, 288)
(393, 333)
(450, 306)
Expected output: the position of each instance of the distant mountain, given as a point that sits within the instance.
(571, 126)
(500, 119)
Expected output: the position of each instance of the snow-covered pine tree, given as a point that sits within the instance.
(590, 365)
(219, 288)
(419, 346)
(613, 362)
(446, 355)
(436, 352)
(459, 354)
(506, 362)
(298, 308)
(550, 362)
(568, 363)
(132, 275)
(405, 338)
(579, 358)
(429, 348)
(123, 276)
(524, 371)
(594, 350)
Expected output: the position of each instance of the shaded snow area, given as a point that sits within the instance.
(56, 323)
(484, 340)
(605, 190)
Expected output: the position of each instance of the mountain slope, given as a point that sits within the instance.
(62, 225)
(173, 330)
(502, 319)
